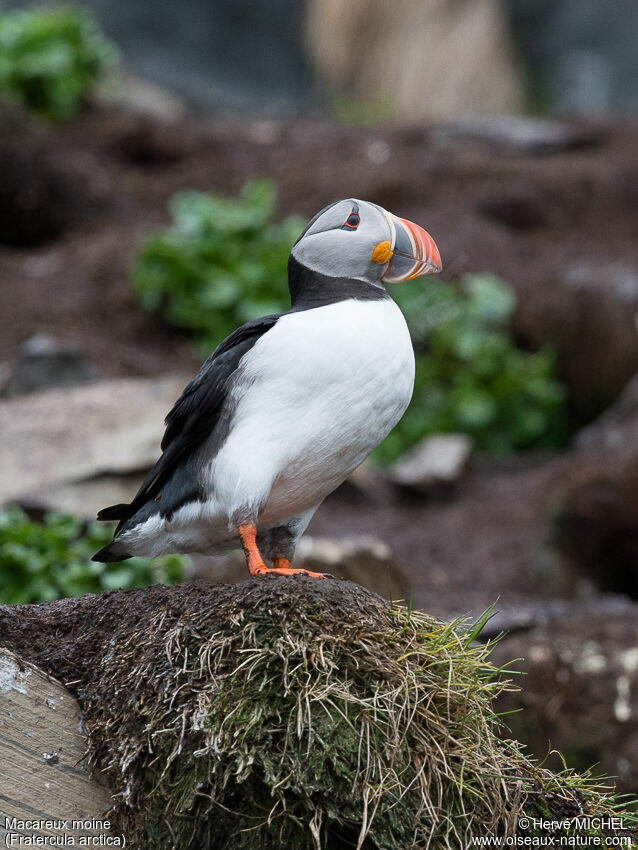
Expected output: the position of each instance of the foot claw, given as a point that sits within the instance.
(287, 571)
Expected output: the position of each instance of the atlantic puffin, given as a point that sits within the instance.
(288, 405)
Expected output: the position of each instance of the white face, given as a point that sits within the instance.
(359, 240)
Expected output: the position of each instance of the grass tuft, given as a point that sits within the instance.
(309, 721)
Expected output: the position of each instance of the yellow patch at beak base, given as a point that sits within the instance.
(382, 253)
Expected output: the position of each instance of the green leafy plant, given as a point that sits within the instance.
(49, 560)
(50, 59)
(471, 377)
(221, 263)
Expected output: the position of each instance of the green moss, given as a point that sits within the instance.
(281, 719)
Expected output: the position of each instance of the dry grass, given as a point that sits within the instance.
(284, 723)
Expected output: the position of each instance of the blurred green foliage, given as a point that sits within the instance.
(221, 263)
(470, 376)
(49, 560)
(50, 59)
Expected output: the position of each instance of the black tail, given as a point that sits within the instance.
(120, 512)
(110, 553)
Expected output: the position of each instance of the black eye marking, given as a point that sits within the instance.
(352, 222)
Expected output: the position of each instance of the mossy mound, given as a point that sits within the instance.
(301, 714)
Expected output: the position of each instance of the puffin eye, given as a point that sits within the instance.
(352, 222)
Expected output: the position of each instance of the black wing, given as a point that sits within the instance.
(192, 419)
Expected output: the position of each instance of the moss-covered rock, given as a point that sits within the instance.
(293, 713)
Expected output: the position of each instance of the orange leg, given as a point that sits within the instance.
(256, 566)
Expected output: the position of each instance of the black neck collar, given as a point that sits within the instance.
(310, 289)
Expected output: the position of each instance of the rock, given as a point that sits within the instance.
(507, 619)
(329, 552)
(616, 427)
(366, 484)
(362, 558)
(44, 361)
(602, 319)
(590, 317)
(59, 436)
(520, 135)
(41, 193)
(436, 463)
(363, 52)
(42, 747)
(594, 522)
(579, 693)
(581, 54)
(84, 498)
(141, 95)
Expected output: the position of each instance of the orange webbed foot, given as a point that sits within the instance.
(256, 566)
(283, 567)
(289, 571)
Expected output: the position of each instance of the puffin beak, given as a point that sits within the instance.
(414, 252)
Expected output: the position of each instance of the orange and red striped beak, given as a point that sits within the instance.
(414, 252)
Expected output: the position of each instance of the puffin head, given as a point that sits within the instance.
(359, 240)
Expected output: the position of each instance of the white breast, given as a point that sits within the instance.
(315, 396)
